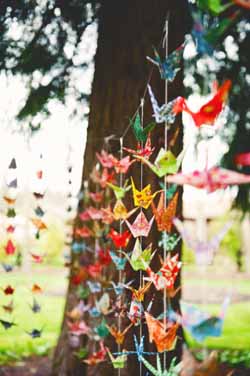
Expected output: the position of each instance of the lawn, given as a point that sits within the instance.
(15, 342)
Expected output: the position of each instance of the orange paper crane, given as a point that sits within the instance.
(120, 211)
(97, 357)
(140, 293)
(118, 335)
(164, 336)
(209, 112)
(164, 216)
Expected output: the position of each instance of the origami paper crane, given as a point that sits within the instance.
(78, 328)
(242, 159)
(78, 247)
(101, 330)
(169, 241)
(107, 160)
(8, 290)
(10, 248)
(211, 179)
(96, 196)
(174, 370)
(166, 276)
(164, 216)
(165, 163)
(120, 286)
(104, 178)
(141, 133)
(119, 361)
(39, 211)
(35, 333)
(144, 197)
(204, 251)
(119, 191)
(10, 229)
(209, 112)
(9, 200)
(7, 324)
(140, 226)
(216, 7)
(140, 293)
(169, 67)
(120, 211)
(138, 254)
(201, 324)
(12, 164)
(139, 350)
(35, 307)
(119, 240)
(104, 257)
(91, 213)
(107, 215)
(121, 166)
(7, 267)
(120, 262)
(83, 232)
(164, 113)
(94, 287)
(39, 224)
(36, 289)
(77, 312)
(135, 312)
(142, 151)
(97, 357)
(163, 336)
(118, 335)
(103, 305)
(38, 259)
(8, 307)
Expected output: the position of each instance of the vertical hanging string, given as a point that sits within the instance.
(165, 189)
(120, 231)
(141, 188)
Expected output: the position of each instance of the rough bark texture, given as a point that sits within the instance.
(127, 31)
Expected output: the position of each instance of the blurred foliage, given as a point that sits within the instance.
(40, 40)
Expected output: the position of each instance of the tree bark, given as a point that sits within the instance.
(127, 32)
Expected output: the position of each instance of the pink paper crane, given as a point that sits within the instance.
(211, 179)
(141, 226)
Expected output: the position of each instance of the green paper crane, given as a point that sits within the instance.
(174, 369)
(141, 133)
(214, 6)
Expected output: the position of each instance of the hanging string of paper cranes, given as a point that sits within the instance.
(115, 237)
(14, 257)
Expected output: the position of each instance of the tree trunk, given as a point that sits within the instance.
(127, 32)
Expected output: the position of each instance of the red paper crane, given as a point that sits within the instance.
(242, 159)
(10, 248)
(209, 112)
(142, 151)
(97, 357)
(119, 240)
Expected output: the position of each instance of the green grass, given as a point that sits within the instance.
(15, 343)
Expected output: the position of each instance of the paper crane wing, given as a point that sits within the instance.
(169, 241)
(141, 226)
(164, 337)
(169, 67)
(106, 160)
